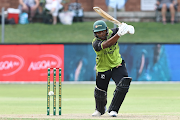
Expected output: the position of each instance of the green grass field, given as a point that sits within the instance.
(145, 32)
(143, 101)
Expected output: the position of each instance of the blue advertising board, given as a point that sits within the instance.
(144, 62)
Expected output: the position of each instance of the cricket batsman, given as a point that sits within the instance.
(109, 64)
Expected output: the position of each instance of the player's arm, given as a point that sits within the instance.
(122, 30)
(110, 41)
(99, 45)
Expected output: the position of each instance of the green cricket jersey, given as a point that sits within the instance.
(107, 58)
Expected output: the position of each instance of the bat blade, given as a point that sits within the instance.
(106, 15)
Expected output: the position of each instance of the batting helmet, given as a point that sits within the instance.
(99, 25)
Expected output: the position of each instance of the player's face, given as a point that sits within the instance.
(101, 34)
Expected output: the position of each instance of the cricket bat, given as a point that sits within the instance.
(106, 16)
(111, 19)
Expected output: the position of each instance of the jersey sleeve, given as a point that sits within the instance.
(115, 30)
(97, 45)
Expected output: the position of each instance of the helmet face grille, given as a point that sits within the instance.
(99, 25)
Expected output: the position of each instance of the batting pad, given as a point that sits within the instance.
(100, 99)
(119, 94)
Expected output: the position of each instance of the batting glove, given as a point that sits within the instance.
(123, 29)
(131, 29)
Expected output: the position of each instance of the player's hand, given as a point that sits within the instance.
(123, 29)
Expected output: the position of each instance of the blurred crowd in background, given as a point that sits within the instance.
(53, 12)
